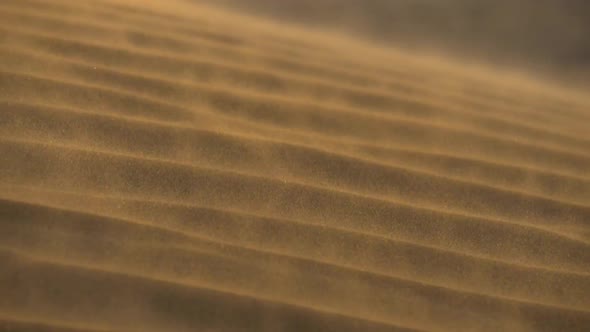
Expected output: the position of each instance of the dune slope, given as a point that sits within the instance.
(165, 166)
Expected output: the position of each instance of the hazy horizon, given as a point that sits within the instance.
(547, 36)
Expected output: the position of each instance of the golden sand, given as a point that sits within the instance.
(171, 167)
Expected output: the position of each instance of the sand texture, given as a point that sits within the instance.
(166, 166)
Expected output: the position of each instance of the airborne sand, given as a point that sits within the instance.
(173, 167)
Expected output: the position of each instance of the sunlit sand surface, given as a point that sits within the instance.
(165, 166)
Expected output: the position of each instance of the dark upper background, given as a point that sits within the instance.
(548, 36)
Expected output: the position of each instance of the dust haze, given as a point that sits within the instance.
(548, 35)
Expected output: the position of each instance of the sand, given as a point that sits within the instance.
(166, 166)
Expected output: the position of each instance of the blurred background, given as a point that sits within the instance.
(548, 36)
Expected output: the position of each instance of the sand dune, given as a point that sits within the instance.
(167, 166)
